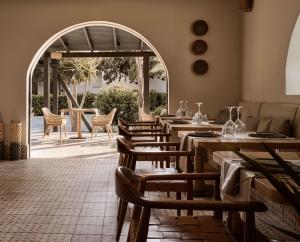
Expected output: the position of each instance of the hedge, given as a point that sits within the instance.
(125, 100)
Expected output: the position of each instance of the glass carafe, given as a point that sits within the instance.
(229, 126)
(197, 119)
(240, 126)
(181, 111)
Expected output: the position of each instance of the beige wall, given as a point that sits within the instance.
(266, 33)
(26, 25)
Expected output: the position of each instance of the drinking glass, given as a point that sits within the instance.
(229, 126)
(240, 126)
(181, 111)
(197, 119)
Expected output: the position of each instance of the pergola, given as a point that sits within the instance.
(93, 41)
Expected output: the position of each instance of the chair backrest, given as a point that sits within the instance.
(126, 186)
(123, 147)
(111, 116)
(46, 111)
(145, 117)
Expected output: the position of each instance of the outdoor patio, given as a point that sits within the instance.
(51, 147)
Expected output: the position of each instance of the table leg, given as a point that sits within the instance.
(79, 132)
(200, 188)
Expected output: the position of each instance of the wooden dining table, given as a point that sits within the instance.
(78, 112)
(204, 147)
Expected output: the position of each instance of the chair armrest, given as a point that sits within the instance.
(163, 153)
(145, 130)
(149, 135)
(159, 144)
(245, 206)
(182, 176)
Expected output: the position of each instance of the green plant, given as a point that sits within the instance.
(125, 100)
(157, 99)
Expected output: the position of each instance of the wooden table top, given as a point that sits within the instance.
(228, 143)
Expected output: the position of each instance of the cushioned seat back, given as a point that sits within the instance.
(296, 124)
(278, 110)
(250, 109)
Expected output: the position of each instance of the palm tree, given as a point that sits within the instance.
(74, 71)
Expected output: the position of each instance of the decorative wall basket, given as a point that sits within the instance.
(15, 140)
(1, 140)
(200, 27)
(199, 47)
(200, 67)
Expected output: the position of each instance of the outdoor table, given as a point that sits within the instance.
(78, 112)
(204, 147)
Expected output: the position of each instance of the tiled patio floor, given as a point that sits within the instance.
(58, 200)
(69, 199)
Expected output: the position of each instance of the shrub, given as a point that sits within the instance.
(157, 99)
(38, 102)
(125, 100)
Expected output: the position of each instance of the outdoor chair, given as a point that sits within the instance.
(52, 120)
(103, 121)
(210, 228)
(145, 117)
(130, 153)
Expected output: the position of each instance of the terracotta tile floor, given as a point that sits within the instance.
(61, 200)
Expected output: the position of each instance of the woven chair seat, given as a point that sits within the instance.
(186, 228)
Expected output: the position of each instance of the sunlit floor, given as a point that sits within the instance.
(52, 147)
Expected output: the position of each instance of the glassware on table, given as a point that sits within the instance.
(187, 112)
(181, 111)
(240, 126)
(229, 126)
(197, 119)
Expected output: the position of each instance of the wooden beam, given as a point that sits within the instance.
(108, 54)
(55, 89)
(65, 46)
(115, 39)
(146, 75)
(74, 102)
(142, 45)
(46, 82)
(88, 38)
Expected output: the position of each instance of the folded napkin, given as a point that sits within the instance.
(230, 177)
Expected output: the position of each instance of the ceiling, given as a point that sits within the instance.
(99, 39)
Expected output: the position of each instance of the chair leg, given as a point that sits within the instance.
(108, 132)
(92, 132)
(121, 217)
(60, 133)
(46, 131)
(65, 128)
(143, 227)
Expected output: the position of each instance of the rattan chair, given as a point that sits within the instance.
(144, 117)
(211, 228)
(52, 120)
(103, 121)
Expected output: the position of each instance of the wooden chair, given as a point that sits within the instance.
(130, 153)
(130, 188)
(52, 120)
(103, 121)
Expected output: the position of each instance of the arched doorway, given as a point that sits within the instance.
(93, 52)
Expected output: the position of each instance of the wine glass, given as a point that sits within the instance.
(229, 126)
(187, 112)
(180, 112)
(197, 119)
(240, 126)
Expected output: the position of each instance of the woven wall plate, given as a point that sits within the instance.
(200, 27)
(199, 47)
(200, 67)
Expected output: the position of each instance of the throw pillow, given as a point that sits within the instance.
(264, 124)
(281, 126)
